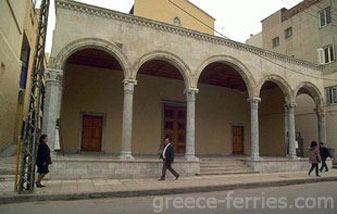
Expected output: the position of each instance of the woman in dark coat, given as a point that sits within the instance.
(314, 157)
(43, 159)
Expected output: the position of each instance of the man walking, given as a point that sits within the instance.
(168, 158)
(324, 152)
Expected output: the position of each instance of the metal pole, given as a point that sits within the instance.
(33, 117)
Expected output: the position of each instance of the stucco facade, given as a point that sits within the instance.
(179, 12)
(18, 24)
(306, 38)
(131, 100)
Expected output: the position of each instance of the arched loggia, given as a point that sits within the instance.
(222, 111)
(310, 116)
(92, 101)
(160, 103)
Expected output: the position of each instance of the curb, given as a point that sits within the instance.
(138, 193)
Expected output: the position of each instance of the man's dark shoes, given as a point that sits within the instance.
(161, 179)
(177, 177)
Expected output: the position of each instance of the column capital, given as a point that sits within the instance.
(190, 94)
(320, 111)
(254, 100)
(53, 75)
(130, 81)
(191, 91)
(291, 105)
(129, 86)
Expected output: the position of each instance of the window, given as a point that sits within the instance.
(325, 17)
(288, 32)
(332, 95)
(276, 42)
(176, 21)
(326, 55)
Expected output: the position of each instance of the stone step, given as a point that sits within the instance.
(222, 164)
(224, 168)
(227, 173)
(7, 171)
(7, 177)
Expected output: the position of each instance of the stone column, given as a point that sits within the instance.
(52, 103)
(129, 87)
(321, 118)
(286, 129)
(190, 124)
(254, 126)
(292, 130)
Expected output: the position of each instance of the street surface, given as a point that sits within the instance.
(215, 202)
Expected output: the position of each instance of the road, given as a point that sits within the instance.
(266, 200)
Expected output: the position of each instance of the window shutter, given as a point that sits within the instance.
(335, 95)
(321, 57)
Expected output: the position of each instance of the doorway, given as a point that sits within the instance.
(92, 130)
(175, 126)
(237, 139)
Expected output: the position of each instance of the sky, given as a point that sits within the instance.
(235, 19)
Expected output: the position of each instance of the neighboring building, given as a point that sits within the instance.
(18, 28)
(122, 89)
(307, 31)
(177, 12)
(256, 40)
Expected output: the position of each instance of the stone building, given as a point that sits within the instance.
(18, 28)
(307, 31)
(120, 83)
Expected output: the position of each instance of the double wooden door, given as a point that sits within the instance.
(92, 129)
(175, 126)
(237, 139)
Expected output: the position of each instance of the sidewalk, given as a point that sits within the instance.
(103, 188)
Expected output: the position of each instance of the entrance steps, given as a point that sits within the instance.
(7, 169)
(223, 166)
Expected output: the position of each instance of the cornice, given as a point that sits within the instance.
(127, 18)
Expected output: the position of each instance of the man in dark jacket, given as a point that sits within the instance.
(324, 152)
(168, 158)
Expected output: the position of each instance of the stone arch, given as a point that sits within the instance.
(174, 60)
(313, 91)
(244, 72)
(281, 83)
(59, 61)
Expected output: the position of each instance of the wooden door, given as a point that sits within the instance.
(237, 139)
(92, 127)
(175, 126)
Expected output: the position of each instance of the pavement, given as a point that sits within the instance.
(317, 198)
(80, 189)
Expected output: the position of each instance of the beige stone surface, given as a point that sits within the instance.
(101, 91)
(17, 18)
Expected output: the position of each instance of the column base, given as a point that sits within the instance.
(126, 156)
(292, 156)
(255, 157)
(190, 157)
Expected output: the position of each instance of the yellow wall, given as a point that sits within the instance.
(91, 90)
(217, 110)
(165, 11)
(101, 91)
(271, 114)
(13, 25)
(306, 120)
